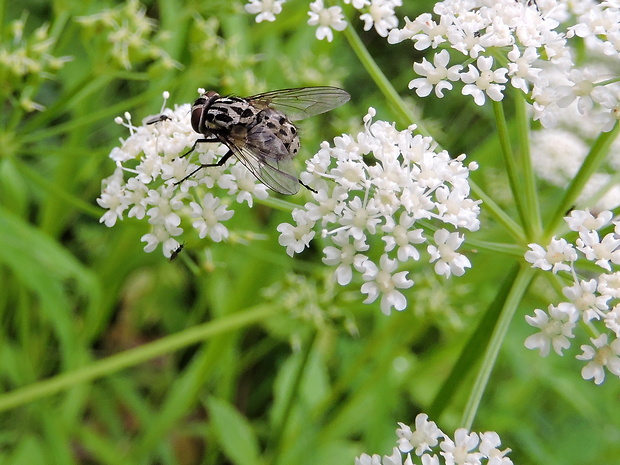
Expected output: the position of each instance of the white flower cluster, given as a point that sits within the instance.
(433, 447)
(374, 13)
(151, 155)
(557, 155)
(384, 183)
(596, 301)
(538, 60)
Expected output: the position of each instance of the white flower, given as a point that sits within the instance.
(609, 285)
(383, 281)
(394, 459)
(345, 255)
(427, 460)
(558, 252)
(113, 198)
(159, 234)
(583, 219)
(581, 89)
(612, 320)
(327, 19)
(296, 238)
(520, 68)
(555, 328)
(358, 4)
(448, 260)
(456, 208)
(165, 202)
(424, 438)
(403, 236)
(210, 214)
(481, 79)
(461, 450)
(600, 252)
(489, 443)
(583, 295)
(600, 356)
(242, 183)
(437, 76)
(381, 15)
(358, 218)
(265, 10)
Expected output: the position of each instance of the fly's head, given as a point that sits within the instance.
(200, 108)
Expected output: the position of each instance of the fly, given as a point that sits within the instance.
(176, 251)
(258, 130)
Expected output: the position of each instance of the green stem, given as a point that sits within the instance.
(511, 167)
(277, 204)
(292, 395)
(500, 215)
(590, 165)
(515, 295)
(133, 357)
(382, 82)
(531, 195)
(57, 191)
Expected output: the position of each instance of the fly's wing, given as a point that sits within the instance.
(266, 157)
(302, 102)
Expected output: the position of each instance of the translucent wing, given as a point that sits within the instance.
(266, 157)
(302, 102)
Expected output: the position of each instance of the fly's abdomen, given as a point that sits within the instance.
(281, 127)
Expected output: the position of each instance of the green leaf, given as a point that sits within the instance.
(233, 432)
(28, 450)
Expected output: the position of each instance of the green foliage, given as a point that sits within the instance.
(233, 352)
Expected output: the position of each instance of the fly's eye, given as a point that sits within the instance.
(197, 111)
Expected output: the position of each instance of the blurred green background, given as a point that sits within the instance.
(233, 352)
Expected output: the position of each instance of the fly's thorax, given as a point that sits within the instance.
(225, 113)
(281, 127)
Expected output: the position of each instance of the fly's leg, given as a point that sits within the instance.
(220, 162)
(199, 141)
(307, 186)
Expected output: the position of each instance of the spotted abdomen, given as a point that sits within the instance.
(281, 127)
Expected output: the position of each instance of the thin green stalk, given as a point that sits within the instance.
(2, 17)
(382, 81)
(515, 295)
(500, 215)
(103, 114)
(513, 250)
(56, 191)
(530, 193)
(511, 167)
(362, 361)
(133, 357)
(604, 189)
(597, 155)
(277, 204)
(280, 429)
